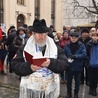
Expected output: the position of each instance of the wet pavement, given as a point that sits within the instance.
(9, 88)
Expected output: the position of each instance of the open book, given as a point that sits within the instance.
(33, 60)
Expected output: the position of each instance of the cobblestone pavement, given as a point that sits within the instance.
(9, 88)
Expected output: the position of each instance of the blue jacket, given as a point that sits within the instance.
(80, 55)
(92, 51)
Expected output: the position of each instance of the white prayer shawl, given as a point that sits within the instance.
(43, 83)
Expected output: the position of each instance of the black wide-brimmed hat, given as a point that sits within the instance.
(39, 26)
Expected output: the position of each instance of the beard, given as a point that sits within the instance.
(41, 44)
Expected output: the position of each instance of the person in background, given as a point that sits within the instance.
(68, 28)
(10, 30)
(40, 81)
(65, 39)
(25, 27)
(57, 35)
(3, 53)
(91, 31)
(51, 31)
(29, 31)
(76, 53)
(92, 51)
(20, 39)
(2, 36)
(84, 38)
(64, 28)
(11, 34)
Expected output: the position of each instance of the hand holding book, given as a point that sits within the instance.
(46, 63)
(34, 61)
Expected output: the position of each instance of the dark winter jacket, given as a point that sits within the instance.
(9, 40)
(85, 41)
(22, 68)
(88, 48)
(78, 51)
(18, 42)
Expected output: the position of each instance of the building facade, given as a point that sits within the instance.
(18, 12)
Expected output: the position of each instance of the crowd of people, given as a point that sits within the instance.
(70, 54)
(10, 42)
(81, 50)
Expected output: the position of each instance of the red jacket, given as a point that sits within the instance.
(63, 42)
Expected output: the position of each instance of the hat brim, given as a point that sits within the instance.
(40, 30)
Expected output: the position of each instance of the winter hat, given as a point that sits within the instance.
(84, 30)
(20, 28)
(74, 34)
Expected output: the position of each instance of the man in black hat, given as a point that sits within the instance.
(76, 52)
(39, 80)
(84, 38)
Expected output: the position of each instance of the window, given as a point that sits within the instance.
(53, 12)
(1, 11)
(20, 18)
(21, 2)
(37, 9)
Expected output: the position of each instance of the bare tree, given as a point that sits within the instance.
(90, 8)
(82, 8)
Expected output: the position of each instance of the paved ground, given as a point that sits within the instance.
(9, 88)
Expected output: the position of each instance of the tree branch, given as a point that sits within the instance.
(78, 5)
(95, 6)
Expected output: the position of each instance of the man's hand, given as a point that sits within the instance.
(46, 63)
(72, 56)
(35, 67)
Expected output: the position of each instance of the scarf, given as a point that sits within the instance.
(43, 83)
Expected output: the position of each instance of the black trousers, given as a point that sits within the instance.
(84, 74)
(70, 75)
(93, 77)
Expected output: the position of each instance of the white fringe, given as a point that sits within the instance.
(28, 93)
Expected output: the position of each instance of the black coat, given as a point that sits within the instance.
(9, 40)
(85, 41)
(9, 43)
(22, 68)
(17, 42)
